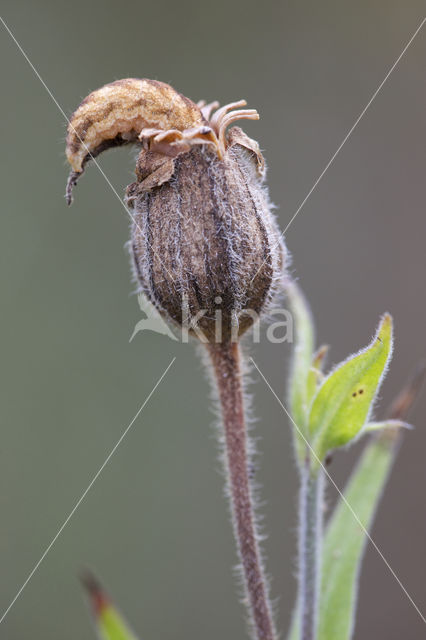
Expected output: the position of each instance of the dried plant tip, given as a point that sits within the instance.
(146, 112)
(402, 404)
(71, 182)
(98, 597)
(116, 113)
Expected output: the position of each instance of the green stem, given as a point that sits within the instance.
(310, 539)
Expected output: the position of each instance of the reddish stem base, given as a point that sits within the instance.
(226, 361)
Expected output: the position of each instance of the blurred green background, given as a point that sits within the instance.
(154, 526)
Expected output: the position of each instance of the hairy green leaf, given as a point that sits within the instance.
(343, 403)
(345, 540)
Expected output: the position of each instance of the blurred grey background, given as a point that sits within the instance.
(154, 526)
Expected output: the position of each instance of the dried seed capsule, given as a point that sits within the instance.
(206, 248)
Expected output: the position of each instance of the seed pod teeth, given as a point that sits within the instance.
(225, 116)
(173, 142)
(206, 109)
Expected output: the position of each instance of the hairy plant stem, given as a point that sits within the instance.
(310, 537)
(226, 359)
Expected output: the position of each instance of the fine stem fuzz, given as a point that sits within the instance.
(310, 536)
(226, 361)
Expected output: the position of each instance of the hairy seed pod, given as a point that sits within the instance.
(205, 246)
(206, 249)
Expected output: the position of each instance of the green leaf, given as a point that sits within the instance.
(109, 623)
(345, 540)
(302, 358)
(343, 403)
